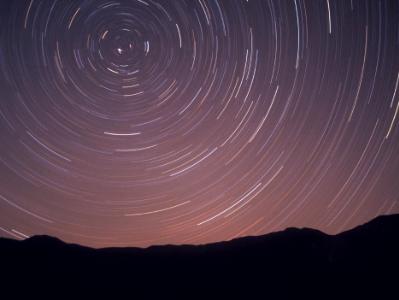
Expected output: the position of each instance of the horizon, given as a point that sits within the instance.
(286, 230)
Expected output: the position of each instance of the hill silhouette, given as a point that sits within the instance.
(295, 262)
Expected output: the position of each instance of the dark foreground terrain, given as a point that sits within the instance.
(300, 263)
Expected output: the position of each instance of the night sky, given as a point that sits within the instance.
(151, 122)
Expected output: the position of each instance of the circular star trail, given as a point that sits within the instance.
(151, 122)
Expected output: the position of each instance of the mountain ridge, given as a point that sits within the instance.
(47, 238)
(359, 259)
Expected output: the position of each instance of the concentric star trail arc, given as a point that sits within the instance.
(141, 122)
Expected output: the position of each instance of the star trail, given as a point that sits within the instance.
(141, 122)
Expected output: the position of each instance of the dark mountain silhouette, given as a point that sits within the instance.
(360, 262)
